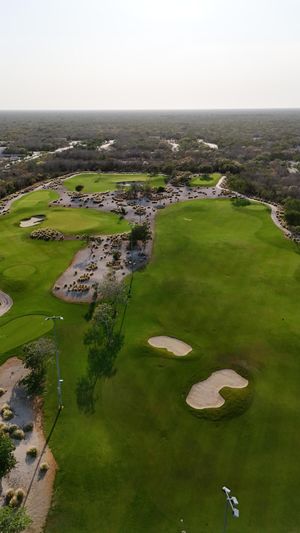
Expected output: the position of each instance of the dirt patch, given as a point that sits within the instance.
(205, 394)
(175, 346)
(39, 499)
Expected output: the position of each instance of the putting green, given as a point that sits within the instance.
(67, 220)
(93, 182)
(209, 180)
(22, 330)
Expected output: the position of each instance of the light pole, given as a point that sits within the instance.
(59, 380)
(231, 501)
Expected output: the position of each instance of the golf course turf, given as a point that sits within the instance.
(206, 180)
(94, 182)
(224, 280)
(28, 268)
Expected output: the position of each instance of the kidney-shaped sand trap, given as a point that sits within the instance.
(205, 394)
(171, 344)
(33, 221)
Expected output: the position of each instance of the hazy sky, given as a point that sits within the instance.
(149, 54)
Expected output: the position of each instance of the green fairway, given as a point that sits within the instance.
(207, 180)
(93, 182)
(22, 330)
(67, 220)
(226, 283)
(225, 280)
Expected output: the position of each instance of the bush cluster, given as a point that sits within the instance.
(47, 234)
(6, 412)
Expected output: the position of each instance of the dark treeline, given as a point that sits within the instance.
(258, 150)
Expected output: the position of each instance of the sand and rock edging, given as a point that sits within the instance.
(6, 303)
(206, 394)
(173, 345)
(24, 413)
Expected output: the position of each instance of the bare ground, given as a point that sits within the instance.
(39, 499)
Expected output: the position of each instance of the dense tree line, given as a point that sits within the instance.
(255, 149)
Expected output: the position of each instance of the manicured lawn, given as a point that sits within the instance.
(207, 180)
(227, 284)
(93, 182)
(29, 268)
(67, 220)
(225, 280)
(21, 330)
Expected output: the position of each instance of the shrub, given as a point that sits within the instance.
(44, 467)
(240, 202)
(47, 234)
(9, 495)
(20, 495)
(2, 391)
(18, 434)
(4, 427)
(7, 414)
(4, 407)
(28, 427)
(32, 452)
(7, 458)
(13, 521)
(11, 428)
(14, 501)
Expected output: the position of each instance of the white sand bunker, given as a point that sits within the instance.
(205, 394)
(5, 303)
(32, 221)
(171, 344)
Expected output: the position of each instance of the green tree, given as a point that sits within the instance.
(79, 188)
(103, 342)
(13, 521)
(140, 232)
(7, 458)
(36, 355)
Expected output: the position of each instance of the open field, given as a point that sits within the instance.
(93, 182)
(224, 280)
(206, 180)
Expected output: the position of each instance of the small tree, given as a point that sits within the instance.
(13, 521)
(140, 232)
(103, 342)
(36, 354)
(112, 292)
(79, 188)
(7, 458)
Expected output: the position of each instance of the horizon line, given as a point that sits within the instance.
(117, 110)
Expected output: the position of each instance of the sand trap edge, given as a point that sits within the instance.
(171, 344)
